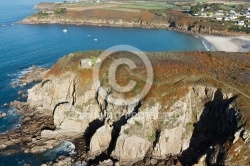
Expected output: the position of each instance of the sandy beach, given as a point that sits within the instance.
(229, 44)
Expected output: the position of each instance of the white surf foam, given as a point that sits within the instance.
(65, 147)
(16, 76)
(205, 45)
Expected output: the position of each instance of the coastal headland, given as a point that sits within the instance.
(197, 111)
(172, 16)
(224, 35)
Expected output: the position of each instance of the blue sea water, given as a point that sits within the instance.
(22, 46)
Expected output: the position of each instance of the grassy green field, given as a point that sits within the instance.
(203, 1)
(122, 9)
(148, 6)
(127, 6)
(80, 4)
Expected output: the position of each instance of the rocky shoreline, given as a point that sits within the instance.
(201, 121)
(190, 29)
(34, 74)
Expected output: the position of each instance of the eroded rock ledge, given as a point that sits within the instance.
(190, 120)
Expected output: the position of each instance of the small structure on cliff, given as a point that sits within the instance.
(86, 63)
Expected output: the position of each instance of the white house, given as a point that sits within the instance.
(246, 12)
(232, 16)
(226, 18)
(241, 23)
(219, 14)
(203, 15)
(232, 12)
(248, 16)
(219, 18)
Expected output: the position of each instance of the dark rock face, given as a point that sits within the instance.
(81, 150)
(213, 133)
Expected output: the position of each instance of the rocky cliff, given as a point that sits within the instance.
(164, 19)
(197, 111)
(113, 22)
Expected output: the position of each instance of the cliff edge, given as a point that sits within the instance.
(197, 111)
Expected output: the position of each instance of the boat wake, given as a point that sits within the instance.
(196, 36)
(203, 42)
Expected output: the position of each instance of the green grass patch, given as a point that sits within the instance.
(152, 137)
(138, 124)
(60, 11)
(41, 14)
(148, 6)
(79, 4)
(237, 28)
(126, 131)
(123, 9)
(203, 1)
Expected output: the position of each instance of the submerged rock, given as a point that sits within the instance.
(2, 114)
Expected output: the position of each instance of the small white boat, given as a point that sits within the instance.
(65, 30)
(95, 39)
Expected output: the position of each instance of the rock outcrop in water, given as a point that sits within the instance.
(196, 112)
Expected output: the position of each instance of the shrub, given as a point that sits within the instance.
(236, 28)
(41, 13)
(60, 10)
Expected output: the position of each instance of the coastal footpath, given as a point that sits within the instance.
(197, 111)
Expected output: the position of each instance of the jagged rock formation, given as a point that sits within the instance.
(130, 149)
(196, 113)
(101, 140)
